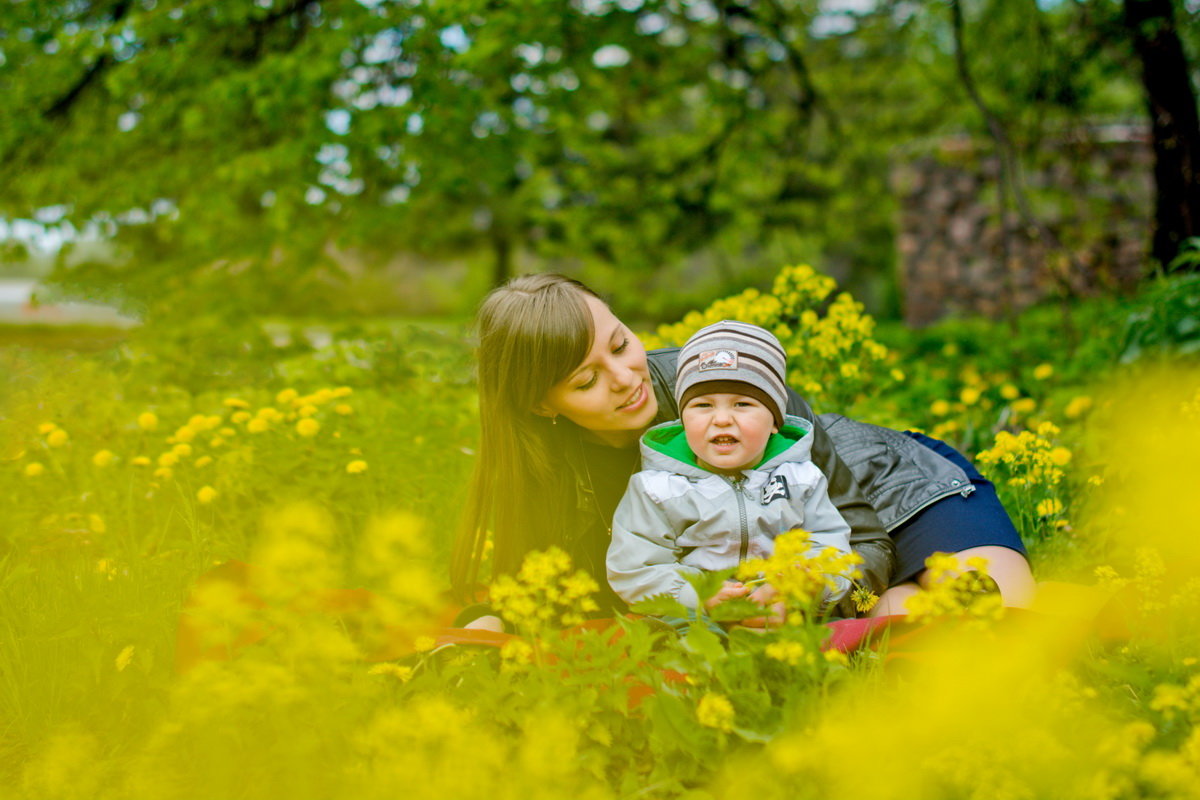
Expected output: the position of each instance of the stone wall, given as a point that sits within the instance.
(1092, 193)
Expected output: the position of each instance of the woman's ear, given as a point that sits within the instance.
(542, 410)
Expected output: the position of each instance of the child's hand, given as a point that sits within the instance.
(765, 596)
(729, 591)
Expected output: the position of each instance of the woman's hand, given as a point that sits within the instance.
(729, 591)
(765, 596)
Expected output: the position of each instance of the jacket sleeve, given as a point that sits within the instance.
(867, 535)
(826, 528)
(643, 559)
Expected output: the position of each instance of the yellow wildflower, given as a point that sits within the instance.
(185, 434)
(1060, 456)
(257, 425)
(96, 523)
(33, 469)
(1049, 508)
(715, 711)
(168, 459)
(307, 410)
(1024, 405)
(206, 495)
(182, 450)
(228, 432)
(357, 466)
(241, 417)
(235, 402)
(345, 409)
(203, 461)
(793, 653)
(343, 391)
(397, 671)
(969, 396)
(308, 427)
(1009, 392)
(47, 427)
(423, 644)
(940, 408)
(163, 473)
(286, 396)
(103, 458)
(147, 420)
(1043, 371)
(1078, 406)
(57, 438)
(140, 461)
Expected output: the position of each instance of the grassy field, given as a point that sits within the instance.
(133, 466)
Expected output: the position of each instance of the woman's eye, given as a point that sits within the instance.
(624, 345)
(589, 384)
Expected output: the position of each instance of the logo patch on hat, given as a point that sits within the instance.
(718, 359)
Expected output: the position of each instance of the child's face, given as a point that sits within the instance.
(727, 432)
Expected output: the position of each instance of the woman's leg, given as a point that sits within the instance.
(1005, 566)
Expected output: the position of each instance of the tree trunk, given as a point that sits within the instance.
(1175, 128)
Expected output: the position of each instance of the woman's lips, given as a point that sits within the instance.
(637, 401)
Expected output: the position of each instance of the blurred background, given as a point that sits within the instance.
(366, 158)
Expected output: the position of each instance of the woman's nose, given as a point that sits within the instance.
(623, 377)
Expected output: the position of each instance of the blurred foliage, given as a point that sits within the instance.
(676, 150)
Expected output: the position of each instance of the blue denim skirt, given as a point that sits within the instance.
(953, 523)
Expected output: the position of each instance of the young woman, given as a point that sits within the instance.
(565, 392)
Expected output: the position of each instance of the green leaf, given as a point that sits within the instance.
(661, 605)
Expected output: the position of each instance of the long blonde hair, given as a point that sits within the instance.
(533, 332)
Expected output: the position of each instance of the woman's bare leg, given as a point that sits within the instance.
(1007, 568)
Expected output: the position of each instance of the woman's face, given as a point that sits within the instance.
(609, 393)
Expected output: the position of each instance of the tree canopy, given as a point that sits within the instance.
(223, 137)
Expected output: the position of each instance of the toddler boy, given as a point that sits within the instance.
(719, 484)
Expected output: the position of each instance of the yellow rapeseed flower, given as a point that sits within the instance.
(57, 438)
(206, 495)
(103, 458)
(1043, 371)
(147, 420)
(357, 466)
(308, 427)
(34, 469)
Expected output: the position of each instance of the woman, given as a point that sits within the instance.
(565, 392)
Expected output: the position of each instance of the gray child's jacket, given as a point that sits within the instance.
(676, 517)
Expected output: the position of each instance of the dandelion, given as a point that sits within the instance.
(864, 599)
(1043, 371)
(140, 461)
(423, 644)
(897, 375)
(96, 523)
(356, 466)
(203, 461)
(228, 432)
(308, 427)
(182, 450)
(940, 408)
(206, 495)
(185, 434)
(715, 711)
(235, 402)
(286, 396)
(34, 469)
(344, 409)
(103, 458)
(47, 427)
(1060, 456)
(307, 410)
(1024, 405)
(168, 459)
(57, 438)
(124, 657)
(1009, 392)
(257, 425)
(969, 396)
(241, 417)
(516, 653)
(163, 473)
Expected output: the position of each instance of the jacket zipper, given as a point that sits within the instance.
(738, 484)
(965, 491)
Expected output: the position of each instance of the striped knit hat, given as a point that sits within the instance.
(733, 357)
